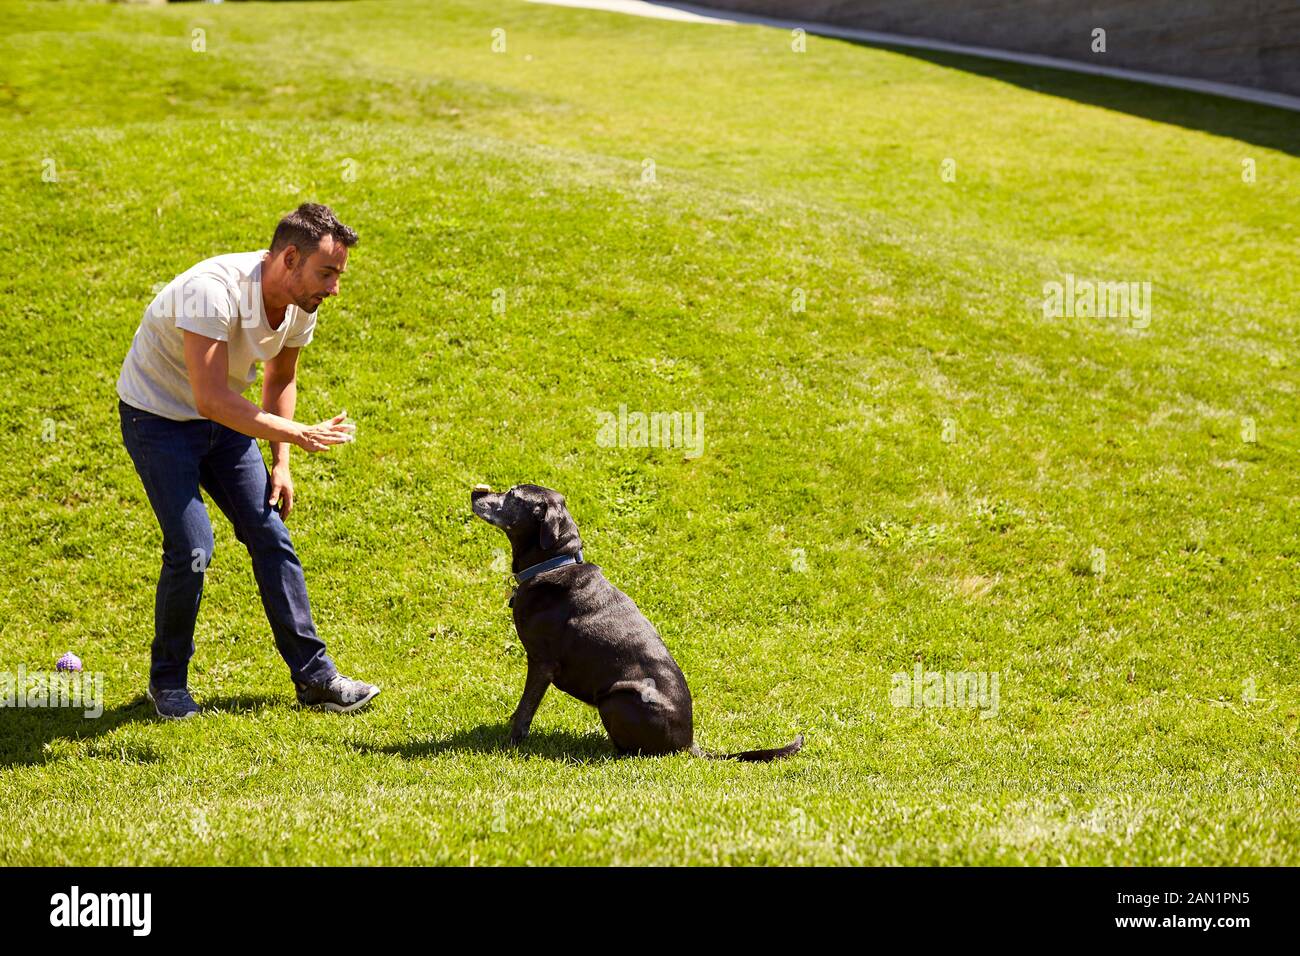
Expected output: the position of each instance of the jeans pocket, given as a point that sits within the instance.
(148, 435)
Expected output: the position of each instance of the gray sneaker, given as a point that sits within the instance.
(172, 704)
(340, 694)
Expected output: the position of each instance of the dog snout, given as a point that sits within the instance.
(485, 503)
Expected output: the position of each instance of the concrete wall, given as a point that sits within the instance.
(1253, 43)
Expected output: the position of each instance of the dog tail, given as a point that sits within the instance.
(760, 756)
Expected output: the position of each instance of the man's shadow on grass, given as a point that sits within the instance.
(27, 732)
(494, 739)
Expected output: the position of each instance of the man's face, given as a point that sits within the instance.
(312, 278)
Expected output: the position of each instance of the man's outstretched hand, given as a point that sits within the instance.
(322, 437)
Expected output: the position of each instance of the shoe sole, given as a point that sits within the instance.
(149, 694)
(344, 708)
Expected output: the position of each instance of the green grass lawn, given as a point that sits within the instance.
(919, 467)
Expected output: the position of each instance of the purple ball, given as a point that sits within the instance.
(69, 662)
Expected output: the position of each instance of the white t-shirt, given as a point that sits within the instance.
(221, 298)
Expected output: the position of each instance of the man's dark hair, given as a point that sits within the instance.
(306, 226)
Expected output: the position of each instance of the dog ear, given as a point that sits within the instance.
(556, 524)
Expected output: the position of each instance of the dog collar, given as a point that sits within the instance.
(563, 560)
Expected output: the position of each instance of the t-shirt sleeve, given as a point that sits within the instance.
(303, 333)
(204, 306)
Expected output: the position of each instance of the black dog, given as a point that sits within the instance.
(586, 636)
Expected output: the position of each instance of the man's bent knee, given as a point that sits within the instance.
(267, 535)
(193, 554)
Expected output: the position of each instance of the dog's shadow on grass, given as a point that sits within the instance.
(494, 739)
(27, 733)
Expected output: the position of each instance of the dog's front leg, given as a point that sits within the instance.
(535, 684)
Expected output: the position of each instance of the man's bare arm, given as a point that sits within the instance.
(280, 396)
(207, 361)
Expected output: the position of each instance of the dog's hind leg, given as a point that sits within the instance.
(641, 719)
(535, 684)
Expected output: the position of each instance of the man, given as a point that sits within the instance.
(186, 425)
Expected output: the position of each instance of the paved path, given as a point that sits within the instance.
(692, 14)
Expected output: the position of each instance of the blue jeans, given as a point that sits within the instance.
(173, 460)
